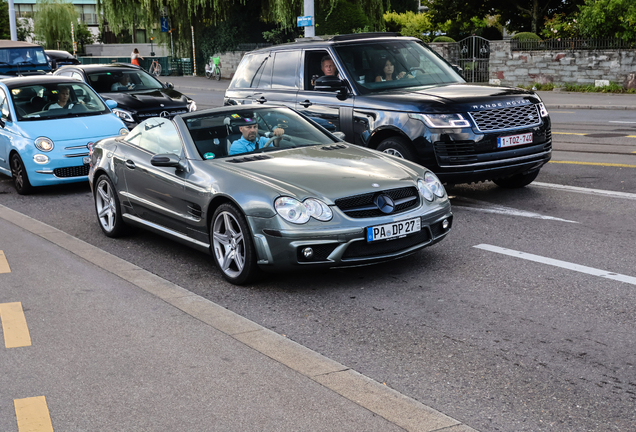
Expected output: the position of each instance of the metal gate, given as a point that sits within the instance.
(474, 55)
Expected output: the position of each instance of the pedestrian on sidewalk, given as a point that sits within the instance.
(135, 56)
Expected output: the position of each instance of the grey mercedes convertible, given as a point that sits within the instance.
(289, 196)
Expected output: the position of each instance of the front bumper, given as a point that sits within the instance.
(344, 246)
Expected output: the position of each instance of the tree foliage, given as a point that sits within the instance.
(343, 19)
(412, 24)
(52, 23)
(5, 30)
(608, 18)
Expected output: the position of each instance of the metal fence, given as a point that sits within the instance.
(563, 44)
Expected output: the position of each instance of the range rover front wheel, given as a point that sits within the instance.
(396, 146)
(517, 181)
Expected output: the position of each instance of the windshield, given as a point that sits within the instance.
(46, 101)
(22, 59)
(123, 81)
(242, 132)
(393, 65)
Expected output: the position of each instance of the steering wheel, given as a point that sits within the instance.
(277, 139)
(417, 69)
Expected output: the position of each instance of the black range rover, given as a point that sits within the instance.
(396, 95)
(138, 94)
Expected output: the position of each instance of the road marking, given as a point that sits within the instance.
(618, 121)
(594, 163)
(4, 264)
(563, 112)
(588, 191)
(485, 207)
(14, 325)
(558, 263)
(33, 414)
(568, 133)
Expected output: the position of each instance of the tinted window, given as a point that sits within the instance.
(157, 135)
(265, 76)
(284, 75)
(122, 81)
(249, 70)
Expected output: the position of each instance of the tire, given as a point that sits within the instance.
(208, 74)
(232, 248)
(107, 208)
(396, 146)
(517, 181)
(157, 69)
(20, 176)
(217, 74)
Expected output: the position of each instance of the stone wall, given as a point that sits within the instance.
(509, 67)
(229, 62)
(448, 50)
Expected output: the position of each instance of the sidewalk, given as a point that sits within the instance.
(115, 347)
(553, 100)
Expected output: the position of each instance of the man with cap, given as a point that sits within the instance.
(249, 140)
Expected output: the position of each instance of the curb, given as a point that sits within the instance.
(383, 401)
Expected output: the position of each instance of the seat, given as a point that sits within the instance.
(232, 134)
(38, 103)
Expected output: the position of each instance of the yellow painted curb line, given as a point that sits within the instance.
(594, 163)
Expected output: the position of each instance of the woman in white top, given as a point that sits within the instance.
(63, 94)
(135, 56)
(388, 73)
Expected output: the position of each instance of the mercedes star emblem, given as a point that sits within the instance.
(385, 204)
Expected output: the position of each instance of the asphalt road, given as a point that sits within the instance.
(523, 319)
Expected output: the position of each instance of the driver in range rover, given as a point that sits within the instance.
(249, 140)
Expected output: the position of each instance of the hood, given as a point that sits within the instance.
(327, 174)
(446, 98)
(74, 128)
(143, 100)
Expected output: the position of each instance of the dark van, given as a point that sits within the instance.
(397, 95)
(21, 59)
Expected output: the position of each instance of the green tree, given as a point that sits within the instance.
(412, 24)
(5, 30)
(24, 29)
(52, 23)
(608, 18)
(83, 37)
(343, 19)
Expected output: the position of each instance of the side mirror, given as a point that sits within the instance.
(169, 85)
(340, 135)
(111, 103)
(458, 69)
(168, 160)
(330, 83)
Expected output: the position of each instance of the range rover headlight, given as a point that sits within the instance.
(298, 212)
(124, 115)
(44, 144)
(441, 120)
(425, 191)
(543, 110)
(434, 184)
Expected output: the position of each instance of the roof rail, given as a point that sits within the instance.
(309, 39)
(355, 36)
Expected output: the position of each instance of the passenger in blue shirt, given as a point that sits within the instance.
(250, 140)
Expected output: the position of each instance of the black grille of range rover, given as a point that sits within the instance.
(76, 171)
(506, 118)
(363, 206)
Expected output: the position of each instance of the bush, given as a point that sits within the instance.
(526, 36)
(490, 33)
(343, 19)
(444, 39)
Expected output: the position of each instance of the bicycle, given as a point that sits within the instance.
(213, 68)
(155, 68)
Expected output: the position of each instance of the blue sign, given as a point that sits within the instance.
(165, 26)
(304, 21)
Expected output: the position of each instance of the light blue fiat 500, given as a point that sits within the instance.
(47, 128)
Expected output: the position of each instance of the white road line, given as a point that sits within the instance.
(607, 193)
(618, 121)
(558, 263)
(508, 211)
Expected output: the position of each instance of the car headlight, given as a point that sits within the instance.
(44, 144)
(434, 184)
(425, 191)
(543, 110)
(124, 115)
(192, 106)
(123, 131)
(441, 120)
(298, 212)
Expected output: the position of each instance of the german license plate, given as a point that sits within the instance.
(394, 230)
(514, 140)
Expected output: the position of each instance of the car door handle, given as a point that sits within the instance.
(305, 103)
(261, 100)
(130, 164)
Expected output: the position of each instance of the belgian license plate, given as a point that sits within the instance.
(394, 230)
(514, 140)
(86, 160)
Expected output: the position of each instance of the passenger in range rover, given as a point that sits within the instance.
(463, 132)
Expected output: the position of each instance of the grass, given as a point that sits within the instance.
(583, 88)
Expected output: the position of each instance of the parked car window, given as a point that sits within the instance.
(156, 135)
(284, 75)
(422, 67)
(4, 105)
(107, 82)
(248, 70)
(32, 102)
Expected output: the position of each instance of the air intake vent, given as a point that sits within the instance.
(249, 158)
(334, 147)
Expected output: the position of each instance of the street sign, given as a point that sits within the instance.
(304, 21)
(165, 26)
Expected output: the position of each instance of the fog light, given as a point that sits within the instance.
(445, 223)
(308, 253)
(40, 159)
